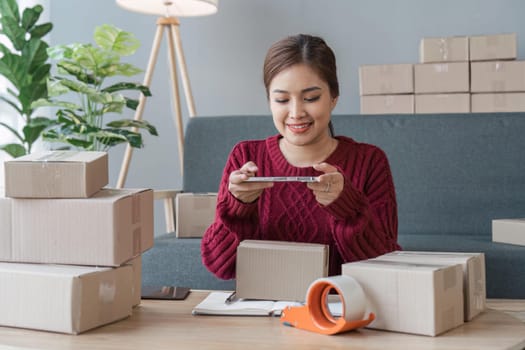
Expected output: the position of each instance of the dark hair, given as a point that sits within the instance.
(302, 48)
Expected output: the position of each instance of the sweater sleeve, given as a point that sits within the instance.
(234, 221)
(364, 221)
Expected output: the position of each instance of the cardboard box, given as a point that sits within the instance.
(493, 47)
(107, 229)
(434, 78)
(409, 297)
(473, 264)
(387, 104)
(511, 231)
(386, 79)
(498, 76)
(442, 103)
(136, 266)
(5, 225)
(273, 270)
(65, 299)
(498, 102)
(56, 174)
(449, 49)
(194, 213)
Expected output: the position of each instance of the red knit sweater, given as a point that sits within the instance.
(361, 223)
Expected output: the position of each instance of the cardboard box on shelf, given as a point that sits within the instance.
(498, 102)
(61, 298)
(107, 229)
(435, 78)
(411, 297)
(194, 212)
(493, 47)
(56, 174)
(442, 103)
(473, 264)
(511, 231)
(448, 49)
(497, 76)
(386, 79)
(387, 104)
(274, 270)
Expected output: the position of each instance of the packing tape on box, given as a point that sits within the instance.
(315, 316)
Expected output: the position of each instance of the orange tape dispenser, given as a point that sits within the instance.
(315, 316)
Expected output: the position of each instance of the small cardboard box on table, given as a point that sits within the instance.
(410, 297)
(473, 264)
(276, 270)
(56, 174)
(107, 229)
(65, 299)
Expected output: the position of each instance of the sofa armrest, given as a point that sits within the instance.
(168, 197)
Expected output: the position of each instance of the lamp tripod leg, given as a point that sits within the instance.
(183, 70)
(176, 98)
(142, 102)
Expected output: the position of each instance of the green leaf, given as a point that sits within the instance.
(132, 103)
(127, 70)
(13, 31)
(60, 52)
(114, 39)
(40, 30)
(77, 71)
(56, 88)
(35, 54)
(13, 69)
(3, 49)
(128, 86)
(15, 150)
(30, 16)
(41, 74)
(9, 8)
(32, 132)
(128, 123)
(60, 104)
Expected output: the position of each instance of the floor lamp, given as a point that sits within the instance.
(169, 11)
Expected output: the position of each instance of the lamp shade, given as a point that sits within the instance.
(176, 8)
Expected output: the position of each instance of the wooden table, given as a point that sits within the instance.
(158, 325)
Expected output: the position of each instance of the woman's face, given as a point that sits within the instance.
(301, 105)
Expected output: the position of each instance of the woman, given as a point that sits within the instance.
(352, 208)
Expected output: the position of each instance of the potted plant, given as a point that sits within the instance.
(83, 71)
(25, 66)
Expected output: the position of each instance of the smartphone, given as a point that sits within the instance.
(165, 292)
(283, 179)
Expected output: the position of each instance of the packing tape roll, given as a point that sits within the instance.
(315, 316)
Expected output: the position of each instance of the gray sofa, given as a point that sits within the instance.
(453, 175)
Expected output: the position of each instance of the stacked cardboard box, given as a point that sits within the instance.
(72, 246)
(442, 76)
(456, 74)
(386, 88)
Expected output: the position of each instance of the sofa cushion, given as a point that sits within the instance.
(177, 262)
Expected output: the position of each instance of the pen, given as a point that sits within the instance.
(230, 299)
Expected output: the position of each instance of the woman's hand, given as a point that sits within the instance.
(330, 184)
(246, 192)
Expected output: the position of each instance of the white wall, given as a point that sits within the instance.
(224, 53)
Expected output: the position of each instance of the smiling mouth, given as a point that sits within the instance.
(299, 127)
